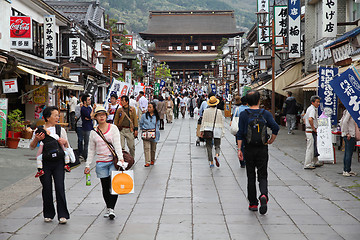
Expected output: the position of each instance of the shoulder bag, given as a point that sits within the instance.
(149, 134)
(235, 123)
(210, 134)
(127, 157)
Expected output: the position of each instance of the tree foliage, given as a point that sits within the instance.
(162, 72)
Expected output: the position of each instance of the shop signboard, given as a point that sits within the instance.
(119, 88)
(281, 22)
(50, 47)
(130, 40)
(329, 18)
(84, 54)
(213, 88)
(264, 32)
(157, 89)
(324, 140)
(74, 47)
(294, 32)
(21, 32)
(3, 118)
(10, 85)
(347, 88)
(128, 77)
(328, 102)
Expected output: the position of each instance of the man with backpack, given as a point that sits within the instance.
(253, 123)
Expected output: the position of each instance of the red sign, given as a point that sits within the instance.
(20, 27)
(130, 40)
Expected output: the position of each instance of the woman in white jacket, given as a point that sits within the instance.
(99, 150)
(348, 128)
(207, 124)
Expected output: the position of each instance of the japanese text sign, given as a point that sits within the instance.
(49, 37)
(119, 88)
(213, 88)
(324, 140)
(21, 32)
(294, 28)
(281, 22)
(10, 85)
(84, 49)
(74, 47)
(347, 88)
(263, 32)
(328, 102)
(329, 18)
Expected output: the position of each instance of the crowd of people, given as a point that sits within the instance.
(122, 121)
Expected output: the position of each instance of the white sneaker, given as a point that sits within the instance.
(352, 173)
(107, 212)
(62, 220)
(111, 214)
(346, 174)
(47, 219)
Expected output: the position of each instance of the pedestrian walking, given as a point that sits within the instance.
(127, 123)
(183, 103)
(53, 169)
(253, 123)
(133, 103)
(169, 110)
(311, 125)
(79, 132)
(72, 104)
(213, 120)
(87, 123)
(99, 151)
(113, 107)
(176, 106)
(191, 105)
(240, 107)
(161, 108)
(149, 124)
(290, 111)
(348, 132)
(143, 103)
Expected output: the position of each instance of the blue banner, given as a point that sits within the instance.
(213, 88)
(347, 88)
(328, 102)
(227, 87)
(294, 8)
(162, 84)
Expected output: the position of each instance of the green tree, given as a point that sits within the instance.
(163, 72)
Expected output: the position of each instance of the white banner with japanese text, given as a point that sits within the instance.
(264, 32)
(294, 28)
(329, 18)
(74, 47)
(280, 17)
(324, 140)
(119, 88)
(49, 37)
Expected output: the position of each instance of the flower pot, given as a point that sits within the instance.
(16, 134)
(13, 142)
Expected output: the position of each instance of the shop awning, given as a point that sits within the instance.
(283, 79)
(56, 81)
(76, 87)
(302, 82)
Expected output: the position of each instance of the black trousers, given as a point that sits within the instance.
(110, 199)
(54, 170)
(72, 121)
(161, 124)
(191, 110)
(256, 158)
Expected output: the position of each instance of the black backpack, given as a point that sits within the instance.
(52, 151)
(256, 132)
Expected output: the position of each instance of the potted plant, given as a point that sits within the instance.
(15, 125)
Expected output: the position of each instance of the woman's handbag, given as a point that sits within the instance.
(149, 134)
(234, 124)
(210, 134)
(127, 157)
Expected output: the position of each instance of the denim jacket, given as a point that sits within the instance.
(150, 123)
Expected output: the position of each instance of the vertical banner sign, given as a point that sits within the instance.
(50, 47)
(83, 50)
(3, 118)
(119, 88)
(280, 18)
(294, 28)
(130, 40)
(329, 18)
(227, 88)
(328, 102)
(347, 88)
(74, 47)
(128, 77)
(156, 89)
(324, 140)
(264, 33)
(162, 84)
(213, 88)
(21, 32)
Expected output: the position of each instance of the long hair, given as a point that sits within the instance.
(156, 113)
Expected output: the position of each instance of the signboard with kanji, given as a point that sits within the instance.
(74, 47)
(294, 32)
(329, 22)
(21, 32)
(10, 85)
(264, 33)
(281, 22)
(50, 47)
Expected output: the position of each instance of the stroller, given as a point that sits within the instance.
(200, 139)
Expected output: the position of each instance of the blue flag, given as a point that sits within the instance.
(347, 88)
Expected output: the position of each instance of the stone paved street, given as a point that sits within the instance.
(182, 198)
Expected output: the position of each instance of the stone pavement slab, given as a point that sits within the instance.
(182, 198)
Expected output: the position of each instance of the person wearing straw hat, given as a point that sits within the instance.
(213, 120)
(99, 150)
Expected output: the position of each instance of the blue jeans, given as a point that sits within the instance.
(86, 135)
(349, 149)
(80, 136)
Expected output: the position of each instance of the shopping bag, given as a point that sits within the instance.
(122, 182)
(234, 128)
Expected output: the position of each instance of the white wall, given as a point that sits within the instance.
(5, 12)
(98, 66)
